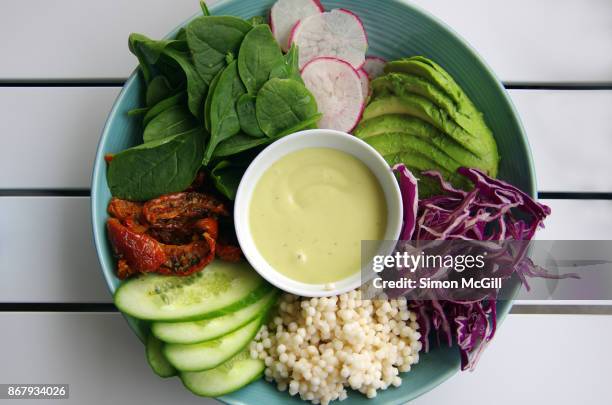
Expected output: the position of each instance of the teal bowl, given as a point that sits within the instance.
(395, 29)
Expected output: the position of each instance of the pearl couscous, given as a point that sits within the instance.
(317, 347)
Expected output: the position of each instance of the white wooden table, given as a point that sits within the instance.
(63, 62)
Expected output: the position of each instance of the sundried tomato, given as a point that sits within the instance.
(187, 259)
(179, 209)
(229, 253)
(124, 209)
(138, 251)
(172, 234)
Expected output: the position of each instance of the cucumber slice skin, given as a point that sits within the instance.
(156, 359)
(253, 297)
(210, 354)
(192, 332)
(214, 383)
(135, 297)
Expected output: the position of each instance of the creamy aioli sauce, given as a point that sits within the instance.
(310, 211)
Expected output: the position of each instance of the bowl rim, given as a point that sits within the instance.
(299, 141)
(514, 117)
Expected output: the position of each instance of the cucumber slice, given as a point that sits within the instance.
(156, 358)
(219, 289)
(228, 377)
(210, 354)
(209, 329)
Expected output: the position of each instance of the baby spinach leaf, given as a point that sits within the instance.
(163, 105)
(159, 167)
(282, 104)
(204, 8)
(134, 45)
(174, 120)
(256, 20)
(223, 117)
(171, 58)
(259, 55)
(137, 111)
(290, 69)
(308, 123)
(210, 38)
(238, 143)
(148, 52)
(226, 177)
(157, 90)
(181, 35)
(245, 108)
(211, 91)
(241, 142)
(196, 85)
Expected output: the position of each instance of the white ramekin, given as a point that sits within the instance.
(314, 138)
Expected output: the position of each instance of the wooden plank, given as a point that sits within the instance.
(47, 253)
(103, 361)
(524, 41)
(61, 140)
(49, 134)
(544, 41)
(578, 220)
(95, 353)
(536, 359)
(85, 40)
(570, 135)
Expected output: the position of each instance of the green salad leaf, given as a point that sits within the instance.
(223, 116)
(196, 85)
(158, 167)
(216, 94)
(208, 101)
(290, 69)
(245, 107)
(172, 59)
(210, 38)
(237, 144)
(163, 105)
(259, 55)
(158, 89)
(226, 177)
(174, 120)
(282, 104)
(256, 20)
(204, 8)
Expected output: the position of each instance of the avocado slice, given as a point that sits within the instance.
(417, 163)
(418, 115)
(431, 71)
(482, 145)
(403, 85)
(393, 123)
(397, 129)
(394, 144)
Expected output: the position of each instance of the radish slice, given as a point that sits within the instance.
(336, 34)
(286, 13)
(293, 31)
(374, 66)
(365, 83)
(336, 87)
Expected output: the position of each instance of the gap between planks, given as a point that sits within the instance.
(120, 83)
(543, 309)
(83, 192)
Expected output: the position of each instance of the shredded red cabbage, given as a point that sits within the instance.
(410, 199)
(493, 211)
